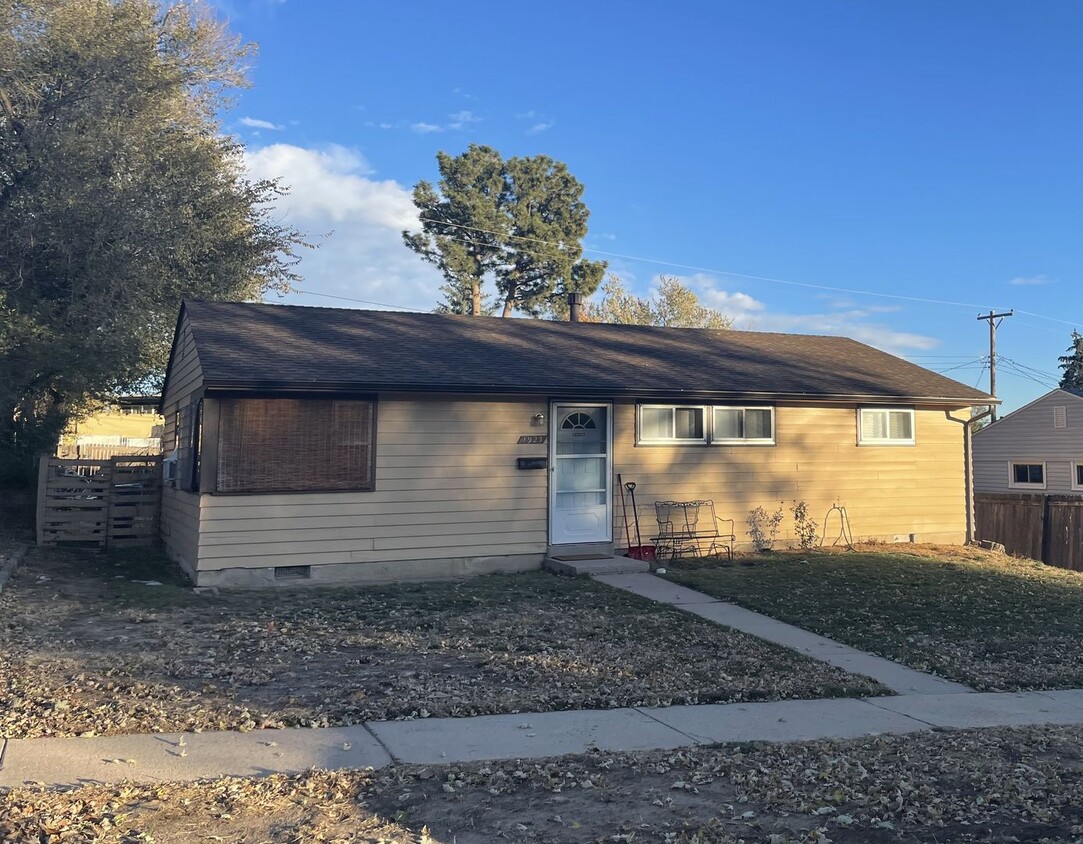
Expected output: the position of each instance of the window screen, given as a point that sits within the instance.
(295, 445)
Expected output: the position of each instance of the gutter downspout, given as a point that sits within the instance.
(968, 466)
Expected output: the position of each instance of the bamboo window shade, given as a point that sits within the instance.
(295, 445)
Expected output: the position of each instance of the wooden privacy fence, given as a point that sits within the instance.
(114, 502)
(1043, 527)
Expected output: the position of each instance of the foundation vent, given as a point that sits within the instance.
(293, 572)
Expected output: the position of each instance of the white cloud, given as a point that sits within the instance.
(255, 123)
(538, 128)
(425, 128)
(332, 189)
(1028, 281)
(464, 116)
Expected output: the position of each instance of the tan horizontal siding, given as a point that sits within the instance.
(886, 490)
(179, 527)
(446, 486)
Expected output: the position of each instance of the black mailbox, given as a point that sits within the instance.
(531, 462)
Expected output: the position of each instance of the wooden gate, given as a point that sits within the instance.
(113, 503)
(1043, 527)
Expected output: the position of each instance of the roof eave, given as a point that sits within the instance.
(223, 386)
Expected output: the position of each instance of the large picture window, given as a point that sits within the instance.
(295, 445)
(662, 424)
(885, 426)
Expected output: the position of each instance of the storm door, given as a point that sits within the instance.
(580, 488)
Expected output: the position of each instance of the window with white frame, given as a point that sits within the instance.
(662, 424)
(1026, 475)
(885, 426)
(743, 425)
(668, 424)
(1077, 476)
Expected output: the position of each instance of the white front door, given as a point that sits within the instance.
(580, 491)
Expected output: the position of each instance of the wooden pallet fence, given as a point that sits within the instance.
(1043, 527)
(111, 503)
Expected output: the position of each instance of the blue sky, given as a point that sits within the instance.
(788, 158)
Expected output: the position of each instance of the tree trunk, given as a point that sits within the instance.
(508, 306)
(475, 302)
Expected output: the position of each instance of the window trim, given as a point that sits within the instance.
(1014, 484)
(743, 440)
(1076, 466)
(889, 442)
(678, 441)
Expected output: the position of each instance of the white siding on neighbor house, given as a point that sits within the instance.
(180, 509)
(1029, 436)
(447, 486)
(888, 491)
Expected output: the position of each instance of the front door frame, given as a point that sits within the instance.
(554, 404)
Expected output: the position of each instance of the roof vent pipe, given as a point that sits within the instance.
(575, 301)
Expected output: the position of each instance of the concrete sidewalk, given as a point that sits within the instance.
(155, 758)
(898, 678)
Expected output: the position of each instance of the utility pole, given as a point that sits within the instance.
(993, 325)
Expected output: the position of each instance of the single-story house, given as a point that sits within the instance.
(340, 445)
(1038, 448)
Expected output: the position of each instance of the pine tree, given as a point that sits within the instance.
(1072, 364)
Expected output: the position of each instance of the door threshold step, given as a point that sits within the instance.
(595, 566)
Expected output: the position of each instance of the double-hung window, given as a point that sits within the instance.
(662, 424)
(885, 426)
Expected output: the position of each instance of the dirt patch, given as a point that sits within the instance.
(89, 646)
(994, 785)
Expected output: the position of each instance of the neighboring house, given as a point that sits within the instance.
(1038, 448)
(124, 425)
(347, 445)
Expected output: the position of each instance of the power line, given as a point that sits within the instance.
(966, 365)
(712, 270)
(360, 301)
(715, 271)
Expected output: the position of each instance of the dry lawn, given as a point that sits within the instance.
(994, 622)
(86, 647)
(994, 785)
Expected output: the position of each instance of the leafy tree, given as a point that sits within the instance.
(670, 304)
(1072, 364)
(519, 222)
(118, 197)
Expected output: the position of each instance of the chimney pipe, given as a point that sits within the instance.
(575, 300)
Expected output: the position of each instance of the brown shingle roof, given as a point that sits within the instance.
(255, 346)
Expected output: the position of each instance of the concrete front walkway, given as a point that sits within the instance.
(898, 678)
(154, 758)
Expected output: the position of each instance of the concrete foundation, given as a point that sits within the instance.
(340, 574)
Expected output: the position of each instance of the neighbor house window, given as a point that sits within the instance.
(295, 445)
(1026, 475)
(671, 424)
(885, 426)
(743, 425)
(1077, 476)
